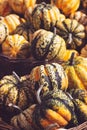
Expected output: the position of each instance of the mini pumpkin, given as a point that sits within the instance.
(84, 4)
(24, 119)
(19, 6)
(55, 107)
(76, 70)
(14, 90)
(5, 9)
(47, 45)
(67, 6)
(43, 16)
(3, 32)
(73, 33)
(81, 17)
(49, 76)
(16, 46)
(12, 21)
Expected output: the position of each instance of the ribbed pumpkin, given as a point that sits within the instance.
(55, 107)
(47, 45)
(3, 32)
(5, 9)
(76, 70)
(72, 31)
(25, 30)
(67, 6)
(12, 21)
(24, 119)
(16, 46)
(49, 76)
(80, 102)
(81, 17)
(19, 6)
(14, 90)
(43, 16)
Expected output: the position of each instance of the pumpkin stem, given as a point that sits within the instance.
(14, 106)
(71, 60)
(52, 126)
(38, 94)
(16, 76)
(70, 38)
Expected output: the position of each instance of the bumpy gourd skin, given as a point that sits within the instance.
(47, 45)
(50, 76)
(77, 72)
(56, 107)
(73, 33)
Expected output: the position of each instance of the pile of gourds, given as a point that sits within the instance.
(51, 34)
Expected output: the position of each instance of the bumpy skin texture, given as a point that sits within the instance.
(56, 107)
(67, 6)
(24, 119)
(16, 46)
(50, 76)
(47, 45)
(77, 72)
(15, 91)
(43, 16)
(3, 32)
(72, 31)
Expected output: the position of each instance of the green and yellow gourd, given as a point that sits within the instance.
(14, 90)
(73, 33)
(49, 76)
(76, 70)
(43, 16)
(55, 107)
(80, 102)
(47, 45)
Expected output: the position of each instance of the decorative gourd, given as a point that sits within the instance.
(84, 4)
(24, 119)
(5, 9)
(72, 31)
(76, 70)
(3, 32)
(55, 107)
(67, 6)
(81, 17)
(16, 46)
(80, 102)
(25, 30)
(43, 16)
(84, 51)
(49, 76)
(19, 6)
(12, 21)
(69, 53)
(47, 45)
(14, 91)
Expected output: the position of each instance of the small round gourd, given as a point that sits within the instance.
(14, 90)
(55, 107)
(67, 6)
(76, 70)
(3, 32)
(43, 16)
(47, 45)
(73, 33)
(12, 21)
(49, 76)
(84, 51)
(16, 46)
